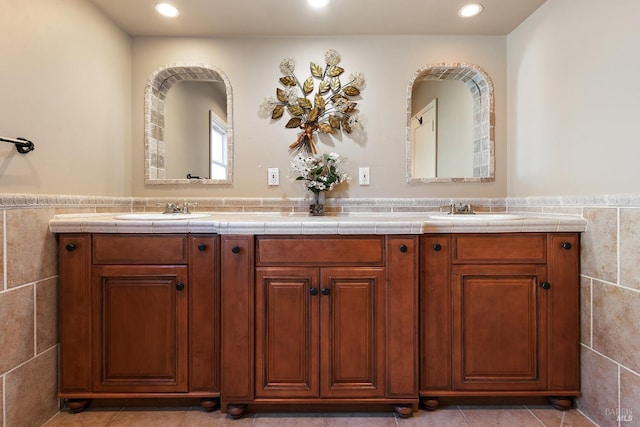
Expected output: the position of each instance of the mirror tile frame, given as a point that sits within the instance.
(155, 93)
(481, 87)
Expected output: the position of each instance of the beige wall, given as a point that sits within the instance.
(572, 103)
(65, 84)
(252, 66)
(572, 120)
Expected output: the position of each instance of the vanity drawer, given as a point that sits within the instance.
(137, 249)
(499, 248)
(320, 250)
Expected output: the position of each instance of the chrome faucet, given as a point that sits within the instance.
(171, 208)
(466, 209)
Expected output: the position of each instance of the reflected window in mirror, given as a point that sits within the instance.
(188, 126)
(218, 146)
(450, 125)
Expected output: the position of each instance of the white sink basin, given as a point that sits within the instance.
(477, 217)
(155, 216)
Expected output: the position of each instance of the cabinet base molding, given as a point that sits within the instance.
(431, 402)
(77, 404)
(403, 407)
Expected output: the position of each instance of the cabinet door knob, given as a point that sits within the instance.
(545, 285)
(566, 246)
(202, 247)
(437, 247)
(313, 291)
(235, 249)
(70, 247)
(179, 286)
(403, 248)
(326, 291)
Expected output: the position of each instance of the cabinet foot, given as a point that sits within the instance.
(77, 405)
(431, 403)
(236, 411)
(209, 404)
(403, 411)
(561, 403)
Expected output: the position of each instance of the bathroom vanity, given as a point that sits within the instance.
(139, 317)
(273, 312)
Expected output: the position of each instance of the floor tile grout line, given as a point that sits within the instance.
(536, 417)
(464, 416)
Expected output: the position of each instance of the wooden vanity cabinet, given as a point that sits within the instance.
(332, 321)
(500, 316)
(139, 317)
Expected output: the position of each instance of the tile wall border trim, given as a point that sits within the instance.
(11, 200)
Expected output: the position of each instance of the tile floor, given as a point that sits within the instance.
(451, 416)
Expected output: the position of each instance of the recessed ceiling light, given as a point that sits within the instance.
(167, 9)
(469, 10)
(318, 3)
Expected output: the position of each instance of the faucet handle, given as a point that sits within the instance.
(451, 208)
(186, 205)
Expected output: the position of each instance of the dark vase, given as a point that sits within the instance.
(317, 208)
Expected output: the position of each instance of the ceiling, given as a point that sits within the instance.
(210, 18)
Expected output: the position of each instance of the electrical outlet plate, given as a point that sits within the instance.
(363, 176)
(273, 177)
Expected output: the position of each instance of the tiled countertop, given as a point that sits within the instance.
(278, 223)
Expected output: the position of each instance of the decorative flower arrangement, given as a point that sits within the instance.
(331, 108)
(319, 173)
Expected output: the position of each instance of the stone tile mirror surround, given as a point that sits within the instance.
(155, 96)
(481, 150)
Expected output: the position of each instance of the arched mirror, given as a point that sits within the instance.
(450, 125)
(188, 126)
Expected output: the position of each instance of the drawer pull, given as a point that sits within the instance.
(437, 247)
(545, 285)
(403, 248)
(566, 246)
(235, 249)
(326, 291)
(313, 291)
(202, 247)
(70, 247)
(179, 286)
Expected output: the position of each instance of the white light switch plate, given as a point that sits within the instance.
(363, 176)
(273, 177)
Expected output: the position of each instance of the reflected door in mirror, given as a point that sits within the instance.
(453, 129)
(425, 141)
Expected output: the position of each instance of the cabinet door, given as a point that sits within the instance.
(236, 317)
(75, 312)
(435, 312)
(564, 311)
(204, 313)
(352, 332)
(499, 327)
(287, 332)
(140, 328)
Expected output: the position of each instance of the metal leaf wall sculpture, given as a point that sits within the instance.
(329, 110)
